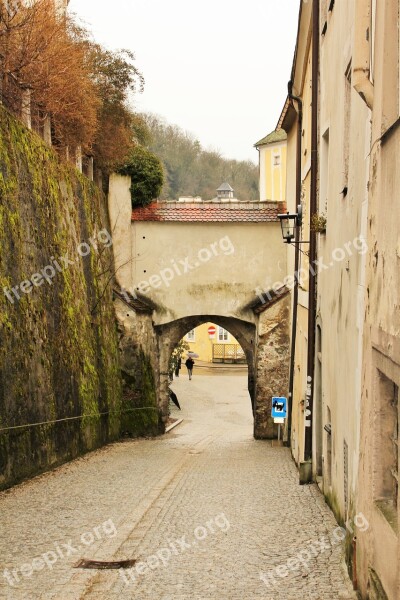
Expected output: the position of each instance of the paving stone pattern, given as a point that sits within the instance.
(235, 502)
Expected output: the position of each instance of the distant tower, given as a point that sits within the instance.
(225, 192)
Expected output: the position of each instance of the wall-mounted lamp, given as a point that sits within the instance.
(289, 222)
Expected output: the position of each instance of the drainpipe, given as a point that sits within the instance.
(296, 257)
(308, 412)
(362, 52)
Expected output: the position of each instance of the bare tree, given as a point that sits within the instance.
(84, 89)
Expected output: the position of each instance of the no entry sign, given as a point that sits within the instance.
(211, 330)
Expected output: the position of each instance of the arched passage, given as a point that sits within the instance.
(171, 333)
(146, 348)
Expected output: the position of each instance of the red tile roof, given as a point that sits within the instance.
(252, 212)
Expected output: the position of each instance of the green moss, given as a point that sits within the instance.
(61, 360)
(332, 501)
(140, 414)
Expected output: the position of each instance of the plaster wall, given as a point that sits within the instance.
(193, 268)
(345, 137)
(247, 256)
(188, 268)
(378, 554)
(272, 175)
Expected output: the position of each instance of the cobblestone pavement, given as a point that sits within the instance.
(213, 505)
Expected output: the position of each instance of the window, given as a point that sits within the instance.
(223, 335)
(277, 160)
(190, 336)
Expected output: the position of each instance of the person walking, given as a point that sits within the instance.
(189, 365)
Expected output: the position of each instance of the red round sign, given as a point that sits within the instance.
(211, 330)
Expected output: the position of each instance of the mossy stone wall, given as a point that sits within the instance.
(60, 378)
(139, 355)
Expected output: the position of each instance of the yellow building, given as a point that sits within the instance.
(218, 347)
(272, 165)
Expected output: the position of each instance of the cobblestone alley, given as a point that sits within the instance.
(205, 509)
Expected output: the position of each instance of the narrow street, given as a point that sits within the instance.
(206, 509)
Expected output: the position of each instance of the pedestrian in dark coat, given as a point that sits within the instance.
(189, 365)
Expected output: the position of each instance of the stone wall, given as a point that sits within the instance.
(60, 381)
(272, 364)
(138, 347)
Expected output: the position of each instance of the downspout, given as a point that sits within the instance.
(308, 409)
(362, 52)
(296, 259)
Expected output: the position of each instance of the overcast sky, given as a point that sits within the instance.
(217, 68)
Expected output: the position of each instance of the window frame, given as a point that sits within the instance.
(191, 335)
(223, 334)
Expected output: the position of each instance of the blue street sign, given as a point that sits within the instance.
(279, 408)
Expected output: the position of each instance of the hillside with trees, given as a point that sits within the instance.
(191, 170)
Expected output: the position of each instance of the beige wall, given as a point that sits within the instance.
(344, 162)
(120, 213)
(378, 554)
(246, 256)
(357, 362)
(229, 261)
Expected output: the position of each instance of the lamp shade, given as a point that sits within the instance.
(288, 225)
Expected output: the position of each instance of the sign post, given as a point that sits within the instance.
(279, 412)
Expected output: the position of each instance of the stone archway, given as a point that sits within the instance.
(171, 333)
(147, 346)
(266, 346)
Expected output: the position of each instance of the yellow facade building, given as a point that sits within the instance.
(219, 347)
(272, 165)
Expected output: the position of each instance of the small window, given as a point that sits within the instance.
(191, 335)
(277, 160)
(223, 335)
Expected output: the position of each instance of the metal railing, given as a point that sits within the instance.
(228, 353)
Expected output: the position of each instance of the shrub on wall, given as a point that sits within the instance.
(146, 173)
